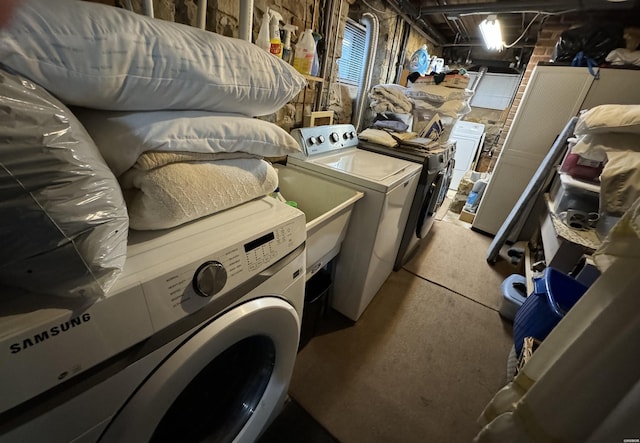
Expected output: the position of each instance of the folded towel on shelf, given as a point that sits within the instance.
(161, 193)
(152, 160)
(378, 136)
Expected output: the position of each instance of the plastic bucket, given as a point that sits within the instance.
(315, 305)
(553, 296)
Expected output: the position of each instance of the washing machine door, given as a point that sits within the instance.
(223, 383)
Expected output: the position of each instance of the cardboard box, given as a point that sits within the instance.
(467, 216)
(456, 81)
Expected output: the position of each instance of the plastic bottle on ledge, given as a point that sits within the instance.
(315, 65)
(275, 44)
(286, 45)
(262, 41)
(473, 200)
(305, 53)
(277, 195)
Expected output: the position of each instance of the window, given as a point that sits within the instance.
(353, 53)
(495, 91)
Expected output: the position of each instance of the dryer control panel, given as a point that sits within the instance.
(322, 139)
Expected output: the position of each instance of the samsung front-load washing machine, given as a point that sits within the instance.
(196, 341)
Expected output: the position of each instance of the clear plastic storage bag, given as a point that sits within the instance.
(64, 221)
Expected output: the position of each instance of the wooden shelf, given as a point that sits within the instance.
(314, 79)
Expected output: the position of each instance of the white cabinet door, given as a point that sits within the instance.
(553, 95)
(615, 86)
(511, 171)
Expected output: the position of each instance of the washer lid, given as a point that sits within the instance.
(363, 164)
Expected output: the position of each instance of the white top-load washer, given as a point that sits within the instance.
(377, 222)
(196, 341)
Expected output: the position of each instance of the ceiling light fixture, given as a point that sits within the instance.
(491, 33)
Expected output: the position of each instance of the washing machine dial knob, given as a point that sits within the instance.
(320, 139)
(334, 137)
(209, 279)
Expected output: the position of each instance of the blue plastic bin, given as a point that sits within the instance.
(553, 295)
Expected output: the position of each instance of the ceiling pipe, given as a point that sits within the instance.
(245, 20)
(524, 6)
(467, 45)
(406, 11)
(448, 22)
(148, 8)
(202, 14)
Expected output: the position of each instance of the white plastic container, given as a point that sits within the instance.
(263, 39)
(570, 193)
(305, 53)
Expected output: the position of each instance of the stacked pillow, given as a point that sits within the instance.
(96, 56)
(611, 133)
(184, 94)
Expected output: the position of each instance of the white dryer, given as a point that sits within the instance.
(196, 341)
(370, 246)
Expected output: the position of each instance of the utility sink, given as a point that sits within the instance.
(327, 206)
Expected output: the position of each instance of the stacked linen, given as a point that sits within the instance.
(611, 134)
(177, 165)
(390, 98)
(449, 103)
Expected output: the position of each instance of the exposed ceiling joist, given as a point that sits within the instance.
(411, 16)
(524, 6)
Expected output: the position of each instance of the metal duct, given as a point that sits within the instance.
(373, 26)
(246, 20)
(524, 6)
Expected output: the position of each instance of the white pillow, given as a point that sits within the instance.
(64, 220)
(123, 136)
(609, 118)
(597, 146)
(103, 57)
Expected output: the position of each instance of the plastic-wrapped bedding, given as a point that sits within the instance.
(64, 222)
(102, 57)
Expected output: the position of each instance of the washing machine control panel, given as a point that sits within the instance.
(322, 139)
(191, 287)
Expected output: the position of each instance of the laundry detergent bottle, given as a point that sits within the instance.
(305, 53)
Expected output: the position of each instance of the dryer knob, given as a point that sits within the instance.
(334, 137)
(209, 279)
